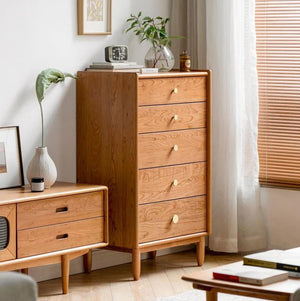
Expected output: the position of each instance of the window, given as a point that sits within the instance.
(278, 64)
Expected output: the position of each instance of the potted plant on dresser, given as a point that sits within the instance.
(41, 165)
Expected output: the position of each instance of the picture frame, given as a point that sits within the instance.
(11, 166)
(94, 17)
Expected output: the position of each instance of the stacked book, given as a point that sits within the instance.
(288, 260)
(249, 274)
(262, 268)
(132, 66)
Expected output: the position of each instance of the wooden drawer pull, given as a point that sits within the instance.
(61, 209)
(62, 236)
(175, 219)
(175, 148)
(175, 90)
(175, 182)
(175, 117)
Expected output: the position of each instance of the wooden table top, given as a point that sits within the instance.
(204, 280)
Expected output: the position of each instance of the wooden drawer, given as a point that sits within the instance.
(59, 210)
(60, 237)
(171, 90)
(171, 117)
(168, 148)
(165, 183)
(156, 220)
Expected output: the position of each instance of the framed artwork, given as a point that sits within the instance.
(11, 167)
(94, 17)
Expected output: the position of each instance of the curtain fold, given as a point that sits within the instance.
(237, 221)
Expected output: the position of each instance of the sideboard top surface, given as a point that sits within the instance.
(24, 194)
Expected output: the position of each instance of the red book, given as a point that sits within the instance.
(249, 274)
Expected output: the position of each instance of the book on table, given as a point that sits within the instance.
(249, 274)
(286, 260)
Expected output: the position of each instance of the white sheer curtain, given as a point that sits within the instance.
(237, 222)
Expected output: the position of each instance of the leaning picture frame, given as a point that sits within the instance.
(94, 17)
(11, 166)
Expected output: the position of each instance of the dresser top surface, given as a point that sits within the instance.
(59, 189)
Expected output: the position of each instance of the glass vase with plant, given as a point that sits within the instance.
(154, 30)
(41, 165)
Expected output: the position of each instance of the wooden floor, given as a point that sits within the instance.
(159, 278)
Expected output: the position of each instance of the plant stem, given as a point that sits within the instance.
(42, 118)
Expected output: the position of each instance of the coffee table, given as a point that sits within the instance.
(203, 280)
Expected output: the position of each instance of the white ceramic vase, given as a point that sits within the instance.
(42, 166)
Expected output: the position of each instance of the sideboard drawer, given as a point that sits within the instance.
(171, 90)
(171, 117)
(59, 210)
(60, 237)
(172, 218)
(165, 183)
(168, 148)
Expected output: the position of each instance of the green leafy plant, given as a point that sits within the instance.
(43, 81)
(150, 29)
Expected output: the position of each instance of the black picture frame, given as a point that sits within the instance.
(11, 165)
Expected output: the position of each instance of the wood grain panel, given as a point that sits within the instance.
(161, 90)
(59, 210)
(155, 220)
(157, 149)
(59, 237)
(157, 184)
(107, 145)
(9, 212)
(171, 117)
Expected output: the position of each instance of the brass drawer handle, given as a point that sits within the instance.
(175, 182)
(175, 148)
(62, 236)
(62, 209)
(175, 219)
(175, 117)
(175, 90)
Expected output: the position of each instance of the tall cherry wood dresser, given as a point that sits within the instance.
(148, 138)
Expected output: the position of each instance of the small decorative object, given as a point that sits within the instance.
(154, 31)
(94, 17)
(41, 165)
(11, 168)
(185, 62)
(116, 53)
(37, 184)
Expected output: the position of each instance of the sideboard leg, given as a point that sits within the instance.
(201, 250)
(87, 261)
(136, 264)
(152, 254)
(65, 271)
(24, 271)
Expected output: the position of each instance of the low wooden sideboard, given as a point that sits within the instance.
(54, 226)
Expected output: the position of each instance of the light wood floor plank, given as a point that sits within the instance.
(159, 278)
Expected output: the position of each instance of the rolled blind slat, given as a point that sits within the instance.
(278, 66)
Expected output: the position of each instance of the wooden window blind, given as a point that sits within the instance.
(278, 65)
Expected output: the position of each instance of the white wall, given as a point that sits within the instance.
(38, 34)
(281, 209)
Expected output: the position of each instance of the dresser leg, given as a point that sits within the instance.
(152, 254)
(136, 264)
(87, 261)
(65, 271)
(24, 271)
(201, 250)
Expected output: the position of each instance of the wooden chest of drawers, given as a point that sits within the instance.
(57, 225)
(147, 137)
